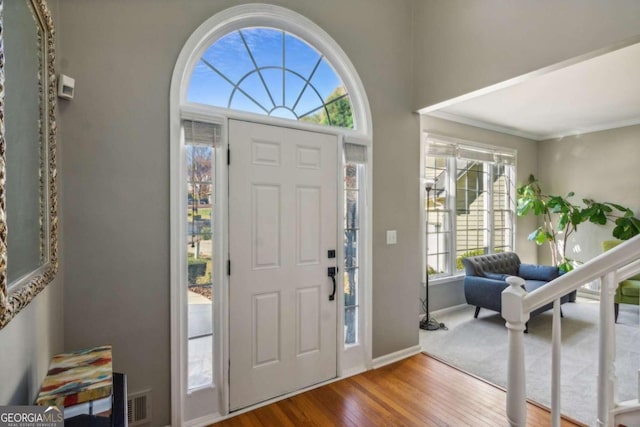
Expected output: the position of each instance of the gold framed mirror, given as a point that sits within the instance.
(28, 189)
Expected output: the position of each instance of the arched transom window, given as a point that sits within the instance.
(271, 72)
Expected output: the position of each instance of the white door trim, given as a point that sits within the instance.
(218, 25)
(178, 302)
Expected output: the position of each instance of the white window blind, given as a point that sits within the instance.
(200, 133)
(355, 153)
(441, 146)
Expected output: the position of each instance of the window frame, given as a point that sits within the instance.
(215, 224)
(288, 73)
(360, 248)
(357, 357)
(265, 15)
(208, 405)
(457, 145)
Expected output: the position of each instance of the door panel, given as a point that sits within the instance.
(266, 328)
(309, 226)
(283, 220)
(266, 232)
(308, 320)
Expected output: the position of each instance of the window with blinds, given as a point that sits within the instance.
(470, 209)
(201, 141)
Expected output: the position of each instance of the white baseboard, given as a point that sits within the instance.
(387, 359)
(204, 421)
(353, 371)
(449, 309)
(445, 310)
(588, 295)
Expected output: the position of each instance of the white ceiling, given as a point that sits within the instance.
(595, 94)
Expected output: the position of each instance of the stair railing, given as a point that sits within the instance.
(610, 268)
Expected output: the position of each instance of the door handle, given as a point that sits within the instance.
(331, 272)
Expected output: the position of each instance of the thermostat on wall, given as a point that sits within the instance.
(66, 86)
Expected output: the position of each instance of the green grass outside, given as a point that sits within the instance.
(205, 213)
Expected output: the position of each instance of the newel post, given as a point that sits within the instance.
(607, 351)
(513, 313)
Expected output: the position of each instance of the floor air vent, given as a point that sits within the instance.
(139, 408)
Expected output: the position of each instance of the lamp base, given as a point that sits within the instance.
(431, 324)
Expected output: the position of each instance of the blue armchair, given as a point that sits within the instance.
(486, 274)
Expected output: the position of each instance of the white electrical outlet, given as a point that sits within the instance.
(392, 237)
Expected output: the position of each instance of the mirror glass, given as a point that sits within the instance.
(25, 167)
(28, 207)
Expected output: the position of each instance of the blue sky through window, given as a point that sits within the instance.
(265, 71)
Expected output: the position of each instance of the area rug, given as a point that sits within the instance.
(480, 347)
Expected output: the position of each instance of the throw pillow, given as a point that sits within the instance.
(496, 276)
(538, 272)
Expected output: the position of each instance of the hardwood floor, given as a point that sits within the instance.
(418, 391)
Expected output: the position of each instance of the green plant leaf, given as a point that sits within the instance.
(622, 232)
(577, 217)
(538, 207)
(540, 236)
(524, 206)
(563, 221)
(626, 228)
(620, 208)
(598, 218)
(565, 266)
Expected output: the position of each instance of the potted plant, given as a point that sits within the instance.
(560, 219)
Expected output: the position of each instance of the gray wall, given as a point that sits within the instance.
(27, 344)
(115, 200)
(451, 293)
(29, 341)
(461, 46)
(602, 166)
(464, 45)
(116, 141)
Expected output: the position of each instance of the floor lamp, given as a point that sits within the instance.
(428, 323)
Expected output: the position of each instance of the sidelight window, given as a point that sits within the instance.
(355, 159)
(201, 140)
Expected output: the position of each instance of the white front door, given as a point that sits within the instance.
(282, 223)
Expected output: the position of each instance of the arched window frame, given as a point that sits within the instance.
(187, 405)
(263, 15)
(275, 100)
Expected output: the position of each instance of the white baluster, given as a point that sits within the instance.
(556, 343)
(606, 357)
(513, 313)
